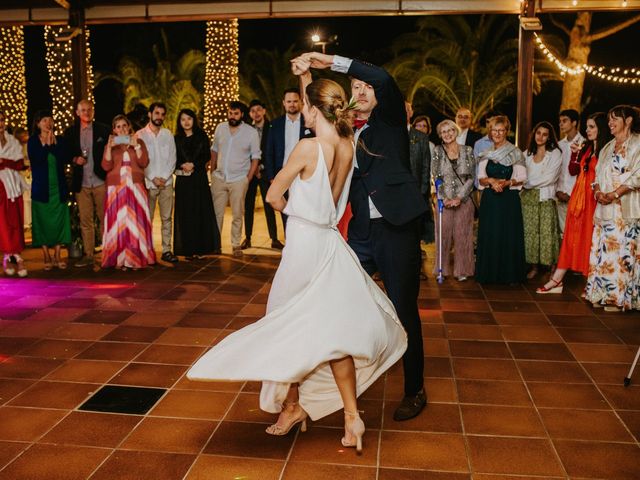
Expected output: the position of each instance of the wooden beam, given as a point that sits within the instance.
(526, 51)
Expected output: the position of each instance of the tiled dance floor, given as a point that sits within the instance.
(520, 387)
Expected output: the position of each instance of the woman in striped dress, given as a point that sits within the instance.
(127, 241)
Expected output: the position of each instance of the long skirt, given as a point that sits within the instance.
(457, 229)
(127, 239)
(614, 270)
(500, 254)
(541, 235)
(11, 223)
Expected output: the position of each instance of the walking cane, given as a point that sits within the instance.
(627, 379)
(438, 185)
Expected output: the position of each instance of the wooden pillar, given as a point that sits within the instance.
(79, 54)
(526, 51)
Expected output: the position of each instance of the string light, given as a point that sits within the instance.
(60, 67)
(221, 74)
(612, 74)
(13, 86)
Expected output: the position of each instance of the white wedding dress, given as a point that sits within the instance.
(322, 306)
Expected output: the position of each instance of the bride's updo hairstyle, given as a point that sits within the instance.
(329, 97)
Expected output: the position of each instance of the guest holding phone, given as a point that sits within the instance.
(127, 241)
(50, 211)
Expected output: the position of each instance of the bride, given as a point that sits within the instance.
(329, 331)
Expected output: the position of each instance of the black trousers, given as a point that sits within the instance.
(250, 205)
(394, 251)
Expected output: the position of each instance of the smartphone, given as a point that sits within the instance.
(121, 140)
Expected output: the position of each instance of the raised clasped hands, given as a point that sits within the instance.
(300, 66)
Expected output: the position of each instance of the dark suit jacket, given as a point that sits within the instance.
(384, 170)
(420, 159)
(472, 138)
(273, 154)
(38, 156)
(101, 134)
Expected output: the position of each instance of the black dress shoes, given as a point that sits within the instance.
(277, 244)
(245, 244)
(410, 406)
(169, 257)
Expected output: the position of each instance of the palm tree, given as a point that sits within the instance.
(266, 74)
(458, 62)
(178, 85)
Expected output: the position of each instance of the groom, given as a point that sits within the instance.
(387, 206)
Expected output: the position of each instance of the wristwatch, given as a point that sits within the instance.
(615, 194)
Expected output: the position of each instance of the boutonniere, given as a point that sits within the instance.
(307, 131)
(100, 139)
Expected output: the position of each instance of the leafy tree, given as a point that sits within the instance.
(458, 62)
(265, 75)
(178, 85)
(577, 53)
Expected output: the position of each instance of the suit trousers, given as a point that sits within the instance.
(164, 197)
(90, 203)
(394, 251)
(234, 194)
(250, 205)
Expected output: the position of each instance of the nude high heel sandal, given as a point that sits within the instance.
(279, 430)
(356, 429)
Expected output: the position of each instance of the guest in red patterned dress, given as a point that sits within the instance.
(12, 187)
(127, 240)
(576, 242)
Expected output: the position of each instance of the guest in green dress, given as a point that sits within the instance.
(501, 174)
(50, 211)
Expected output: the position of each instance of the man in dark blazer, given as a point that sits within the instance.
(284, 134)
(463, 120)
(261, 123)
(87, 140)
(420, 161)
(387, 206)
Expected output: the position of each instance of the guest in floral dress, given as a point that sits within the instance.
(578, 230)
(614, 272)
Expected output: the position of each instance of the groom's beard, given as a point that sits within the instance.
(234, 123)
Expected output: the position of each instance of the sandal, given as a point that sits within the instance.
(356, 429)
(280, 430)
(8, 268)
(555, 288)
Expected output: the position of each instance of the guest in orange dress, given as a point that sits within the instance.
(576, 243)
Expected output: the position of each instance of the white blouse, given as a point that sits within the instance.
(544, 176)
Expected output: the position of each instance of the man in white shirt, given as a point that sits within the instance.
(235, 155)
(569, 123)
(159, 173)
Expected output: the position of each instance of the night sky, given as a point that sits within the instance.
(362, 37)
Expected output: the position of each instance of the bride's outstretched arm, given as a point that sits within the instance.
(299, 160)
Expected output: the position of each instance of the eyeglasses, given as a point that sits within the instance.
(499, 130)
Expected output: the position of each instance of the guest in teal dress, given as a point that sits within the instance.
(48, 154)
(501, 173)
